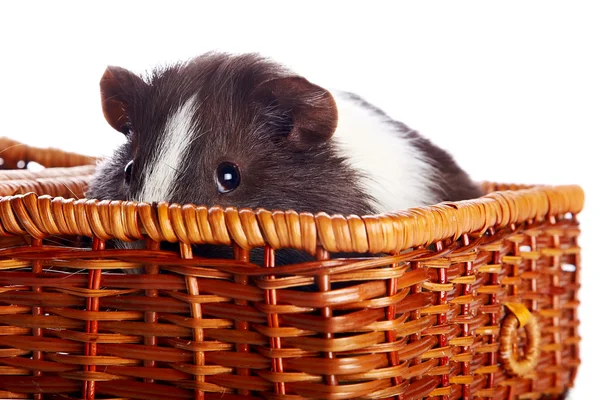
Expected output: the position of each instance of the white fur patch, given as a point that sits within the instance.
(395, 172)
(160, 177)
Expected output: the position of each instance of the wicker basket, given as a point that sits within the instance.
(475, 299)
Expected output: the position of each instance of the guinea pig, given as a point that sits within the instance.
(244, 131)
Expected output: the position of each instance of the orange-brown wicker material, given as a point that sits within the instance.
(440, 316)
(12, 152)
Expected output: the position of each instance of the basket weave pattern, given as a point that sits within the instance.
(473, 300)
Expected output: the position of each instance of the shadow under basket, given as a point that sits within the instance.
(473, 299)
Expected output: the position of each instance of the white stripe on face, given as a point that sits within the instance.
(163, 167)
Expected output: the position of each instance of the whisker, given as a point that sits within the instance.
(173, 168)
(75, 273)
(69, 189)
(52, 241)
(95, 159)
(198, 137)
(12, 147)
(61, 243)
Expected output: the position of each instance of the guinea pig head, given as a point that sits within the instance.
(230, 131)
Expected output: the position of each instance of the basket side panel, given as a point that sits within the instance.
(424, 322)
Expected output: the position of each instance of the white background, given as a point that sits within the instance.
(512, 89)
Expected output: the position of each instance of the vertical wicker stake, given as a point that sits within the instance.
(324, 284)
(556, 254)
(390, 336)
(93, 304)
(516, 267)
(466, 311)
(512, 265)
(494, 317)
(196, 310)
(443, 319)
(273, 319)
(151, 317)
(575, 316)
(534, 268)
(416, 314)
(36, 311)
(242, 255)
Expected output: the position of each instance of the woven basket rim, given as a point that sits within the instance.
(41, 216)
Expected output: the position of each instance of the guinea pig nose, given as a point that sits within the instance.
(128, 171)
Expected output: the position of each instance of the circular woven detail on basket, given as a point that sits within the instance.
(517, 362)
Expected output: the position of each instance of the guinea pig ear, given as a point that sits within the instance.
(117, 86)
(312, 109)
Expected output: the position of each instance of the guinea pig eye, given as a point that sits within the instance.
(128, 171)
(228, 177)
